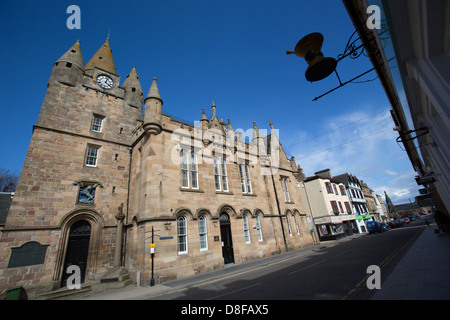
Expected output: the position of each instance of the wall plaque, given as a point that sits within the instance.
(28, 254)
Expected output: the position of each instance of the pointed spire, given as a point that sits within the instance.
(73, 55)
(132, 80)
(229, 126)
(273, 133)
(103, 59)
(203, 115)
(255, 130)
(154, 91)
(214, 110)
(133, 91)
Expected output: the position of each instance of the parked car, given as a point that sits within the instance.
(384, 227)
(373, 226)
(394, 224)
(405, 220)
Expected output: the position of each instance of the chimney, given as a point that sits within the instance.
(326, 173)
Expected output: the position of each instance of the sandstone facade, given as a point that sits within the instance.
(101, 173)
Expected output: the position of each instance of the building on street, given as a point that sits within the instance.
(112, 182)
(356, 196)
(330, 206)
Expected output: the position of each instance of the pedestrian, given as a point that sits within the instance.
(426, 220)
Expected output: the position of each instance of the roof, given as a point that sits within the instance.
(103, 59)
(154, 91)
(73, 55)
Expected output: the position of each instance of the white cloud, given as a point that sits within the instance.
(360, 143)
(390, 172)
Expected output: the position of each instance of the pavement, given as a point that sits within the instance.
(423, 273)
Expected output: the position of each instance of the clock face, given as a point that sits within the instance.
(105, 82)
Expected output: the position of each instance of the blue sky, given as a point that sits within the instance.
(230, 51)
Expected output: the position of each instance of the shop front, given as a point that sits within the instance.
(361, 221)
(330, 228)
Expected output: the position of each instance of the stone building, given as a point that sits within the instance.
(371, 200)
(108, 186)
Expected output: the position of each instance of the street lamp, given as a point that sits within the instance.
(320, 67)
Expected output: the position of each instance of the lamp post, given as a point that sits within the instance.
(320, 67)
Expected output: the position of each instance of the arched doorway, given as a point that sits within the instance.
(227, 241)
(77, 249)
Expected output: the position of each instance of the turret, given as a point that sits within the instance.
(133, 90)
(153, 113)
(69, 67)
(230, 135)
(258, 140)
(204, 121)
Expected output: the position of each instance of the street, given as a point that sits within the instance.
(332, 270)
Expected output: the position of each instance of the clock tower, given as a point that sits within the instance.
(102, 71)
(74, 182)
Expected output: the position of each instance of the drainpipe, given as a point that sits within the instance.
(279, 209)
(124, 250)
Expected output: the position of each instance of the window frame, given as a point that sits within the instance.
(347, 207)
(246, 183)
(342, 189)
(89, 156)
(101, 119)
(220, 174)
(341, 208)
(246, 229)
(259, 228)
(289, 225)
(296, 224)
(334, 206)
(182, 238)
(203, 233)
(329, 187)
(284, 187)
(189, 169)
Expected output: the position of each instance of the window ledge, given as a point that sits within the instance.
(225, 192)
(192, 190)
(249, 194)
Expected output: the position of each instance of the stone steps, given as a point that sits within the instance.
(116, 278)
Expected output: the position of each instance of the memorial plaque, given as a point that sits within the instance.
(28, 254)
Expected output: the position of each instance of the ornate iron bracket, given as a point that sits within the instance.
(354, 50)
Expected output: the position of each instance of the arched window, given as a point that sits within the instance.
(246, 229)
(289, 224)
(258, 228)
(202, 232)
(182, 235)
(296, 223)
